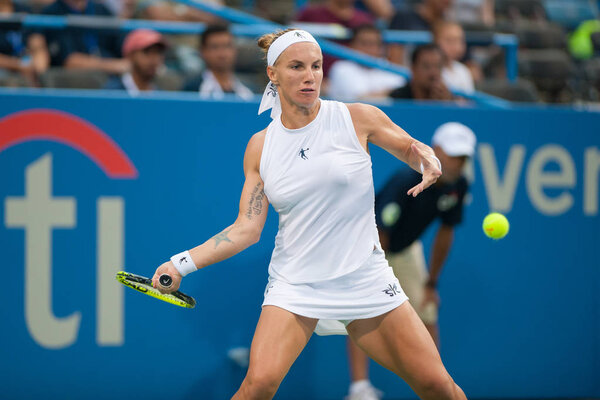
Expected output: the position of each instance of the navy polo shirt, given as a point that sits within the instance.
(404, 218)
(62, 43)
(14, 42)
(407, 19)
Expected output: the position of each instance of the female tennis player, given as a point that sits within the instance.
(312, 164)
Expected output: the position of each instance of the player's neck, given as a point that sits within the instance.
(296, 117)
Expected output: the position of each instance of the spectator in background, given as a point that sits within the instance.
(88, 49)
(450, 37)
(473, 12)
(36, 5)
(124, 9)
(217, 47)
(21, 52)
(426, 82)
(402, 219)
(145, 50)
(350, 81)
(421, 17)
(382, 9)
(341, 12)
(172, 11)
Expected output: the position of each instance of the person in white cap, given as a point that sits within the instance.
(312, 165)
(402, 219)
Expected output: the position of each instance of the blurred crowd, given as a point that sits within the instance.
(558, 54)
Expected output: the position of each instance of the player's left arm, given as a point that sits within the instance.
(374, 126)
(439, 253)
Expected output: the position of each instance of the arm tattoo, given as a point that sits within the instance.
(222, 237)
(255, 203)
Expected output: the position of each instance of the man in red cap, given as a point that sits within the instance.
(145, 50)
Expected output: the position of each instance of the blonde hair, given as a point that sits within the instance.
(265, 41)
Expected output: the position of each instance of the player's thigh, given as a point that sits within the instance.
(279, 338)
(399, 341)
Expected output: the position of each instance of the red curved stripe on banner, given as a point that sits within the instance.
(70, 130)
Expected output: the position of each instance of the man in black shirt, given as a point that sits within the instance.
(86, 49)
(22, 51)
(422, 17)
(402, 219)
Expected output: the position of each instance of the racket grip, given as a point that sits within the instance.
(165, 281)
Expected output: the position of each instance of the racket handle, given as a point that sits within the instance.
(165, 281)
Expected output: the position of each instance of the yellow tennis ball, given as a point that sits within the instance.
(495, 225)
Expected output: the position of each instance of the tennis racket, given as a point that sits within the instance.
(144, 285)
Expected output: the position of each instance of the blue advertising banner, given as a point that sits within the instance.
(94, 183)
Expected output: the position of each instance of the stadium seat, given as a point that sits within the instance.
(520, 91)
(12, 80)
(516, 9)
(549, 70)
(169, 81)
(250, 58)
(590, 80)
(591, 70)
(596, 41)
(569, 13)
(73, 79)
(540, 36)
(250, 66)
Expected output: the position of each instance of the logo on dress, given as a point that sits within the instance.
(302, 153)
(391, 290)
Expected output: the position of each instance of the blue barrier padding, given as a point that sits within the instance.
(519, 316)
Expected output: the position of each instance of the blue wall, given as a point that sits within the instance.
(520, 317)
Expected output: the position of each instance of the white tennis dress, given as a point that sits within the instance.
(327, 262)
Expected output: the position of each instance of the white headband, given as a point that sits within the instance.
(270, 99)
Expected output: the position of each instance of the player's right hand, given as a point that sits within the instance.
(169, 269)
(431, 170)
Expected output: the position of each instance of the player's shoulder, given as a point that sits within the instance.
(365, 113)
(255, 146)
(256, 142)
(362, 109)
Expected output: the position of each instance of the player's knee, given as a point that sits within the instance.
(262, 384)
(439, 387)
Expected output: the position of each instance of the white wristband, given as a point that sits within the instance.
(438, 162)
(184, 263)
